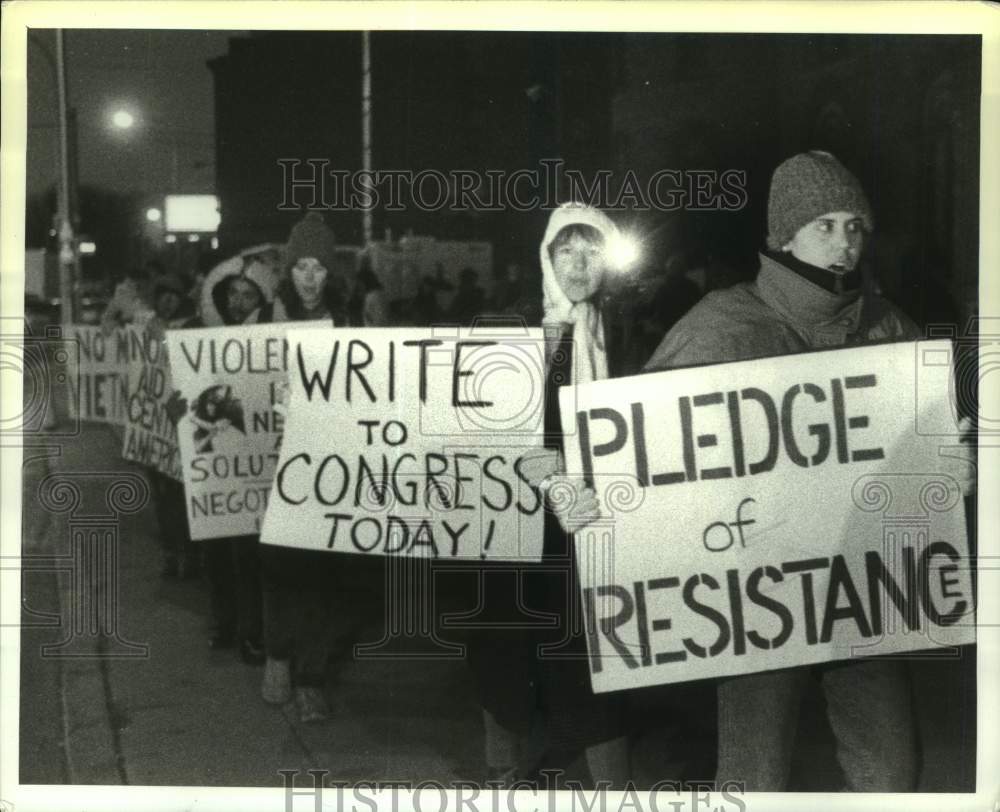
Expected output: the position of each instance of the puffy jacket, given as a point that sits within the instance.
(779, 313)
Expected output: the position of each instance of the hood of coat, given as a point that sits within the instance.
(557, 304)
(258, 265)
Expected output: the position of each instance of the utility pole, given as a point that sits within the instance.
(68, 259)
(366, 128)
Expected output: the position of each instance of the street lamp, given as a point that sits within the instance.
(122, 119)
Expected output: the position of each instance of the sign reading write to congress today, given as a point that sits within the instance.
(782, 512)
(231, 380)
(98, 379)
(150, 436)
(409, 442)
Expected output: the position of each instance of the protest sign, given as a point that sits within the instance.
(231, 381)
(409, 442)
(778, 512)
(98, 374)
(150, 434)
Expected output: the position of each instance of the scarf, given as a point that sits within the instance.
(582, 319)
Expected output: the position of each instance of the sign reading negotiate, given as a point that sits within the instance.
(782, 512)
(409, 442)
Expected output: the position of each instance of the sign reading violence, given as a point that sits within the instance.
(231, 382)
(150, 434)
(98, 379)
(409, 442)
(785, 511)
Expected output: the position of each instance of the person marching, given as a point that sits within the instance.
(300, 585)
(530, 673)
(810, 294)
(239, 290)
(180, 556)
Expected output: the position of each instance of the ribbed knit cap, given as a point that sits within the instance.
(807, 186)
(311, 237)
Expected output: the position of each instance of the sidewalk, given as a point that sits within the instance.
(186, 715)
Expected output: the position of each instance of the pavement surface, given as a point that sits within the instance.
(167, 710)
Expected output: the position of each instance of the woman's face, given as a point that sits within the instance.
(309, 277)
(242, 298)
(579, 266)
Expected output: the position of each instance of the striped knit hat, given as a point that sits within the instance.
(807, 186)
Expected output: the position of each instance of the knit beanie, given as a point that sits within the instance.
(311, 237)
(807, 186)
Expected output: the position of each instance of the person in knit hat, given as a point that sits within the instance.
(808, 295)
(311, 288)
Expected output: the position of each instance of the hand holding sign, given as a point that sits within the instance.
(541, 464)
(573, 501)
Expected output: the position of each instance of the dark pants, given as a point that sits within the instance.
(171, 516)
(869, 704)
(300, 615)
(233, 569)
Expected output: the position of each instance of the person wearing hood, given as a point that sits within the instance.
(810, 294)
(239, 290)
(519, 684)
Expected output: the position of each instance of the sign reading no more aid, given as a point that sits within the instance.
(408, 442)
(789, 512)
(150, 436)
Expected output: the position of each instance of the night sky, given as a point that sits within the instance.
(161, 76)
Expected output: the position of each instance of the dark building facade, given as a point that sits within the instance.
(900, 111)
(441, 101)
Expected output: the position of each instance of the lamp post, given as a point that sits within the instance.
(69, 259)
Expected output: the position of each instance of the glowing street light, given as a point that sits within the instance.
(154, 215)
(123, 119)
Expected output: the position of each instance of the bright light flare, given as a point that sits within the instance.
(623, 252)
(123, 119)
(154, 215)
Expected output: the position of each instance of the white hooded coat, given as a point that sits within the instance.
(591, 362)
(249, 264)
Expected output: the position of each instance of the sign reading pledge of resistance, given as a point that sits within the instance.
(409, 443)
(786, 511)
(231, 380)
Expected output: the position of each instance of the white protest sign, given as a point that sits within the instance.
(232, 379)
(768, 514)
(408, 442)
(98, 374)
(150, 435)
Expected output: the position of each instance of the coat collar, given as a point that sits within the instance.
(823, 317)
